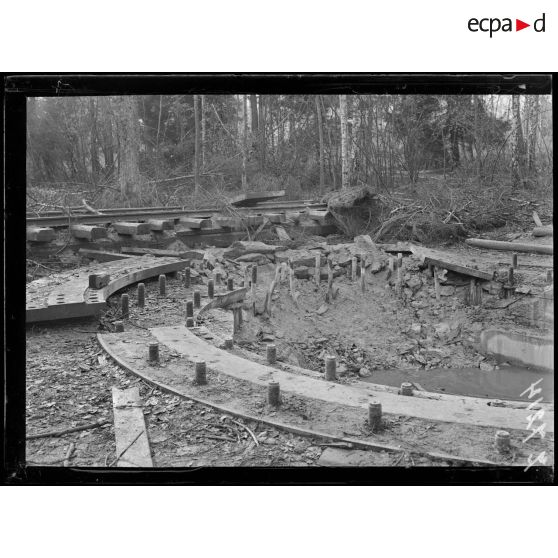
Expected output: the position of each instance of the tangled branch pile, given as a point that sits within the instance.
(437, 210)
(355, 209)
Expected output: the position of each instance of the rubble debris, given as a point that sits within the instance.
(242, 247)
(364, 247)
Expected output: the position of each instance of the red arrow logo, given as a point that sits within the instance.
(519, 25)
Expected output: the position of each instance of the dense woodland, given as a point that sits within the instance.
(184, 149)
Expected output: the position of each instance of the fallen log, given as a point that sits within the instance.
(510, 246)
(543, 231)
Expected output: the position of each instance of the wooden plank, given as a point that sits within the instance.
(88, 232)
(130, 432)
(193, 223)
(161, 224)
(252, 198)
(537, 219)
(129, 228)
(102, 256)
(40, 234)
(184, 254)
(445, 261)
(510, 246)
(224, 300)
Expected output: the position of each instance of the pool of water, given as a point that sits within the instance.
(509, 382)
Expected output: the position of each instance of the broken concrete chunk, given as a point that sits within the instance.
(322, 309)
(364, 246)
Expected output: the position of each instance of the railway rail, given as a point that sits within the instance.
(107, 216)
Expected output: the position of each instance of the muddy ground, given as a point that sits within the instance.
(71, 386)
(69, 379)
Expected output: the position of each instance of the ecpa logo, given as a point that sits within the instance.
(494, 24)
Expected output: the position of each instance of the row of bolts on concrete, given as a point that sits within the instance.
(502, 437)
(200, 369)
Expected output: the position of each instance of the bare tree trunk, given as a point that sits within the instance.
(95, 165)
(332, 159)
(321, 140)
(254, 112)
(128, 167)
(344, 141)
(261, 124)
(202, 118)
(159, 124)
(107, 144)
(197, 146)
(518, 144)
(242, 137)
(532, 131)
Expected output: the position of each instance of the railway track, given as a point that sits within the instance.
(107, 216)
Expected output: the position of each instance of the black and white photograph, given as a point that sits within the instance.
(290, 279)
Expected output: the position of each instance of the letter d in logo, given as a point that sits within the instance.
(540, 21)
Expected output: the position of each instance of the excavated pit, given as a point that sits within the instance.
(380, 337)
